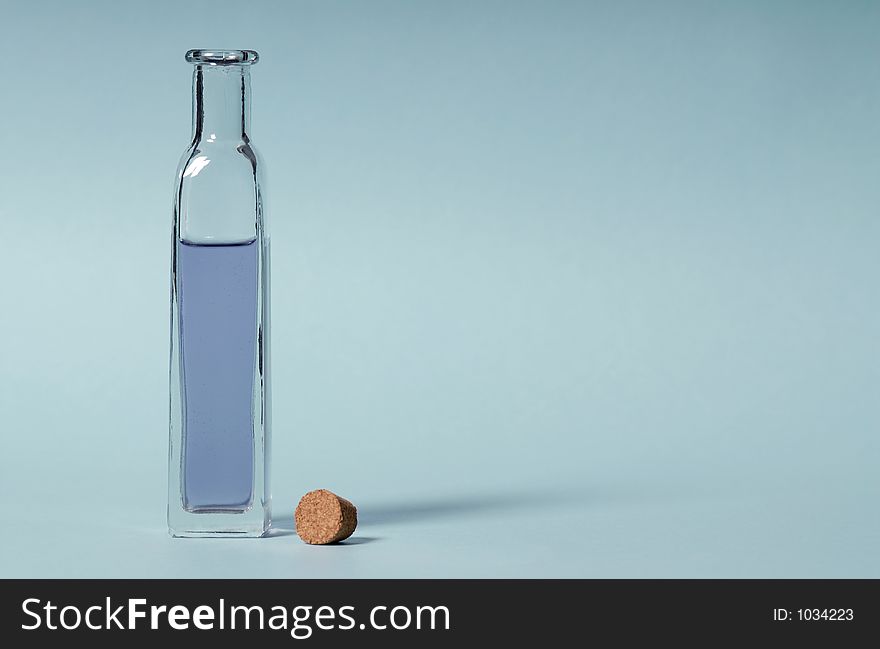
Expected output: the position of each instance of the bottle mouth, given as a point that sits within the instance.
(222, 57)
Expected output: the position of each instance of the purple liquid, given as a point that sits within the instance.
(217, 287)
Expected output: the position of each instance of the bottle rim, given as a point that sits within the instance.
(222, 57)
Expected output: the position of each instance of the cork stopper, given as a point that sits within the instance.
(323, 517)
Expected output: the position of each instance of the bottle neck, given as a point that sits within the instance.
(221, 103)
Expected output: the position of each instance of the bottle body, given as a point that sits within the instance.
(219, 373)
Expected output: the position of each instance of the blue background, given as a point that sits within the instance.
(560, 289)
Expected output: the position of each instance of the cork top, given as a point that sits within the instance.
(322, 517)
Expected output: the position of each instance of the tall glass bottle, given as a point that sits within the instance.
(218, 478)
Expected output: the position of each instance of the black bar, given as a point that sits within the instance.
(543, 612)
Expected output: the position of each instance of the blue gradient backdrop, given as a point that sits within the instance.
(560, 289)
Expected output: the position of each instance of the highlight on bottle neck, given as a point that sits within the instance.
(222, 57)
(221, 93)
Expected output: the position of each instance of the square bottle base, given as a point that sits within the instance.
(251, 523)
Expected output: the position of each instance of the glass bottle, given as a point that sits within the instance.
(218, 478)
